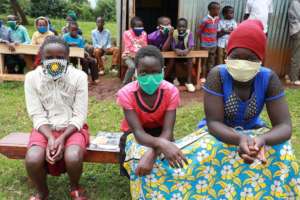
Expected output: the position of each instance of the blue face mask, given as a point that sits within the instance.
(138, 31)
(42, 29)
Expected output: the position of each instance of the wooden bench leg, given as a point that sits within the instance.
(79, 64)
(198, 86)
(1, 67)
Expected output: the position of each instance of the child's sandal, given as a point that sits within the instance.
(36, 198)
(78, 194)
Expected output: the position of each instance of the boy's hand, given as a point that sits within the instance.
(59, 146)
(178, 52)
(146, 163)
(185, 52)
(50, 150)
(171, 31)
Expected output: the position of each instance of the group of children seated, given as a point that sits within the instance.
(213, 33)
(93, 61)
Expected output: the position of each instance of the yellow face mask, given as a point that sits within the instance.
(242, 70)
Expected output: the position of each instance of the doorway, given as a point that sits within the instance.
(151, 10)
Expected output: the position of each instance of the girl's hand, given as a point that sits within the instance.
(172, 153)
(146, 163)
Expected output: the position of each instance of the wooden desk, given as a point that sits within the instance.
(193, 54)
(28, 50)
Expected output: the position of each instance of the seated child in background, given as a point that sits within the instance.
(75, 40)
(149, 106)
(71, 17)
(39, 36)
(43, 31)
(225, 27)
(162, 38)
(101, 38)
(134, 39)
(57, 106)
(208, 29)
(182, 44)
(89, 64)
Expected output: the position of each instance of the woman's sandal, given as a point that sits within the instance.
(78, 194)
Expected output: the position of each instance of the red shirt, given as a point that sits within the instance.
(130, 98)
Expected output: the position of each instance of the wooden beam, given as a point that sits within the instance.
(192, 54)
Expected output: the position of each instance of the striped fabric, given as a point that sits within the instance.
(208, 29)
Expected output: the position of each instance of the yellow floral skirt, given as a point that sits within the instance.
(215, 171)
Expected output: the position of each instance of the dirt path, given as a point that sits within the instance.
(108, 87)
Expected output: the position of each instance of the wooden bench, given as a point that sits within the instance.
(198, 55)
(14, 146)
(28, 50)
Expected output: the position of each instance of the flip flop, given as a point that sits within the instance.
(78, 194)
(36, 198)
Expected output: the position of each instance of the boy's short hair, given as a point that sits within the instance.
(182, 19)
(212, 4)
(161, 18)
(134, 20)
(55, 39)
(226, 9)
(151, 51)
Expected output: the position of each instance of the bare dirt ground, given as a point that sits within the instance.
(108, 87)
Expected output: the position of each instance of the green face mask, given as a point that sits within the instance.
(150, 82)
(12, 24)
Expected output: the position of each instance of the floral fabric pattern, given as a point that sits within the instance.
(215, 171)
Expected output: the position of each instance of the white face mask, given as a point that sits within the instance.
(242, 70)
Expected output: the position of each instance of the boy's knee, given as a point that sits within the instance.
(73, 155)
(35, 157)
(98, 52)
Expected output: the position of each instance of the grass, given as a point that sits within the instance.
(86, 27)
(101, 181)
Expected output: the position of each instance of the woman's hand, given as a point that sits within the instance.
(146, 163)
(172, 153)
(246, 149)
(259, 144)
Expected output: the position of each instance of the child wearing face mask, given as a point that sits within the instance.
(42, 26)
(57, 106)
(149, 106)
(225, 27)
(162, 38)
(134, 39)
(182, 44)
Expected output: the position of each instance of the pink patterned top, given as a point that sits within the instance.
(133, 43)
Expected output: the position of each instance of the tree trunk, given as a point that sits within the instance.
(18, 10)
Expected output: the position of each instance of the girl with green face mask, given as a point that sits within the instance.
(149, 106)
